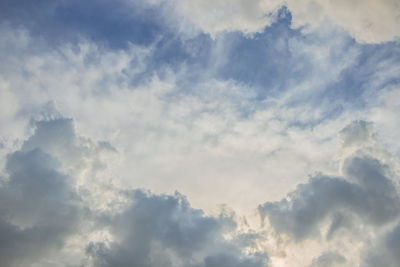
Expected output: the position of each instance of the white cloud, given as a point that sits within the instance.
(166, 132)
(222, 15)
(212, 130)
(368, 21)
(210, 136)
(42, 210)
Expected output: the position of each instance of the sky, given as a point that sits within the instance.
(199, 133)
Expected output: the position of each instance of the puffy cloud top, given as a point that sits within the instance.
(156, 230)
(44, 209)
(365, 191)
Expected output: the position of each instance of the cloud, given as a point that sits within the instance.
(143, 22)
(385, 252)
(42, 209)
(366, 191)
(343, 218)
(198, 115)
(214, 99)
(302, 214)
(237, 15)
(328, 259)
(356, 133)
(55, 202)
(39, 208)
(367, 21)
(154, 230)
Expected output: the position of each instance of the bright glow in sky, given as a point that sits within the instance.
(199, 133)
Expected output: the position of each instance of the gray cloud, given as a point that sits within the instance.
(366, 192)
(39, 208)
(163, 230)
(328, 259)
(42, 209)
(386, 252)
(357, 133)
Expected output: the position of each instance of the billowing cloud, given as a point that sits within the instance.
(385, 252)
(45, 206)
(48, 204)
(39, 209)
(154, 230)
(39, 206)
(365, 191)
(229, 102)
(363, 201)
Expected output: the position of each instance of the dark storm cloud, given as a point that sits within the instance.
(366, 192)
(162, 230)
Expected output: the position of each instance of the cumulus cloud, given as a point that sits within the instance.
(41, 201)
(363, 201)
(365, 191)
(180, 124)
(154, 230)
(385, 252)
(225, 116)
(48, 212)
(39, 208)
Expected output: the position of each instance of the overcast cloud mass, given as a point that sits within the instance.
(199, 133)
